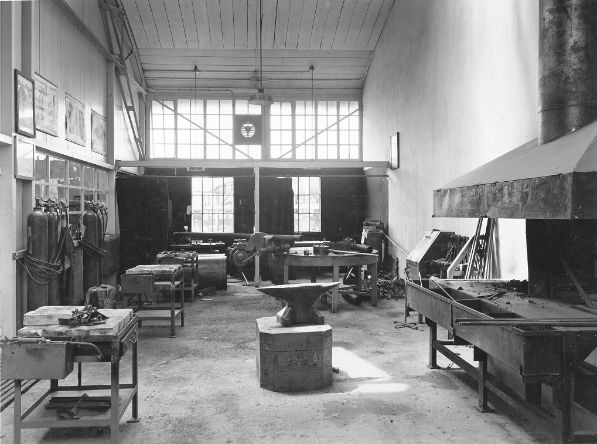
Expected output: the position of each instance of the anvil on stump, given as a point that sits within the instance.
(299, 300)
(293, 354)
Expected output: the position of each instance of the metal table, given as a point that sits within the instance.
(188, 259)
(169, 277)
(113, 345)
(296, 258)
(535, 354)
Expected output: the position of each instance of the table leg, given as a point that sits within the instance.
(181, 303)
(313, 274)
(335, 291)
(481, 357)
(79, 375)
(285, 273)
(17, 412)
(565, 414)
(115, 397)
(359, 269)
(432, 338)
(373, 272)
(135, 384)
(172, 309)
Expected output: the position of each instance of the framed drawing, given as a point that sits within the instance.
(98, 134)
(24, 105)
(74, 121)
(46, 106)
(23, 159)
(395, 151)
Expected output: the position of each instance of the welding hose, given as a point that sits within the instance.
(92, 249)
(41, 272)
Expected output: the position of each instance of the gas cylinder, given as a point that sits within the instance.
(91, 277)
(53, 233)
(37, 247)
(98, 208)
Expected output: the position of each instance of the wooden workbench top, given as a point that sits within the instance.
(44, 322)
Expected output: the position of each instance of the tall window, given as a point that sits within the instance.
(199, 129)
(212, 204)
(298, 130)
(307, 204)
(325, 130)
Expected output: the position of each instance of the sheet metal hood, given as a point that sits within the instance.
(554, 176)
(556, 180)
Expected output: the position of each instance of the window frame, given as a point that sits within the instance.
(212, 195)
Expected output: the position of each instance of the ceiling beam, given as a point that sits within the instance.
(221, 163)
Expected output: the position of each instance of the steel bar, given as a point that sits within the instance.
(592, 322)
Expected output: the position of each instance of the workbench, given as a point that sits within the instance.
(188, 259)
(297, 258)
(484, 314)
(166, 277)
(113, 339)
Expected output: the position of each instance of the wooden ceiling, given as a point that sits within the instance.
(221, 38)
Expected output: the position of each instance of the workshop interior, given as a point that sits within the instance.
(298, 221)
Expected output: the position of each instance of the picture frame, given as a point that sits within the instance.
(74, 121)
(46, 106)
(98, 134)
(395, 151)
(24, 105)
(24, 155)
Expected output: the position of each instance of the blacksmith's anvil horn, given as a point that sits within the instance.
(299, 300)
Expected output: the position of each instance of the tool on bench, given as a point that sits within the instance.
(89, 315)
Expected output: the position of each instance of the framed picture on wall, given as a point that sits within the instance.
(23, 159)
(395, 151)
(74, 120)
(24, 105)
(46, 106)
(98, 133)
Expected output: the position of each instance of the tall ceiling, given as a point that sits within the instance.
(221, 38)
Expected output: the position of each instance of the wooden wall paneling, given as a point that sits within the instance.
(202, 23)
(331, 23)
(149, 26)
(77, 6)
(49, 42)
(307, 20)
(94, 21)
(227, 17)
(241, 17)
(173, 12)
(282, 15)
(215, 24)
(379, 23)
(369, 23)
(158, 9)
(189, 24)
(270, 8)
(132, 13)
(294, 23)
(321, 15)
(356, 24)
(252, 23)
(343, 23)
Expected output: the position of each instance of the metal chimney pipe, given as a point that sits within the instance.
(567, 66)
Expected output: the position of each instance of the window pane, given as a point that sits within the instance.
(88, 177)
(75, 200)
(57, 171)
(41, 167)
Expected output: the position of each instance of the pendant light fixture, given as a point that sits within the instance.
(261, 98)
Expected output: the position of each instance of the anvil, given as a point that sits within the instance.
(299, 300)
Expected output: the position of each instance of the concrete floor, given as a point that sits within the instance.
(202, 386)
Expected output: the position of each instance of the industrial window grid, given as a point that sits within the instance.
(212, 204)
(307, 204)
(76, 181)
(199, 129)
(299, 130)
(320, 130)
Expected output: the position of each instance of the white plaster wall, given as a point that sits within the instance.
(458, 80)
